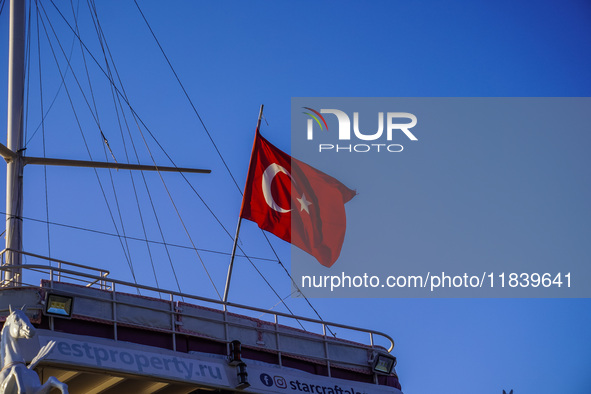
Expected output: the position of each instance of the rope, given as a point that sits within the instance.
(82, 133)
(124, 97)
(119, 106)
(43, 134)
(187, 95)
(28, 139)
(217, 150)
(136, 116)
(136, 239)
(28, 69)
(293, 282)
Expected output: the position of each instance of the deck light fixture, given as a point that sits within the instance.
(235, 356)
(242, 376)
(383, 364)
(58, 305)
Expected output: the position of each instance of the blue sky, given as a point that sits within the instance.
(234, 56)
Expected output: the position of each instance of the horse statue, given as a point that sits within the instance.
(16, 377)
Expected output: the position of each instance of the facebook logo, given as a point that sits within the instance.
(266, 380)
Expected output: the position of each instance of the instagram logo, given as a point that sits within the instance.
(280, 382)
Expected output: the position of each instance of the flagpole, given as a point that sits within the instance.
(229, 277)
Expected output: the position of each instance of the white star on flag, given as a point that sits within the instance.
(304, 204)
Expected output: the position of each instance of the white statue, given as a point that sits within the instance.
(16, 377)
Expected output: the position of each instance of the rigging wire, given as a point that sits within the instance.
(119, 107)
(28, 71)
(110, 77)
(187, 95)
(143, 124)
(137, 239)
(182, 221)
(220, 154)
(27, 65)
(138, 118)
(278, 302)
(98, 123)
(169, 158)
(81, 130)
(43, 133)
(210, 138)
(28, 140)
(294, 284)
(105, 145)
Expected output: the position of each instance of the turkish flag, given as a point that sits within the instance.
(296, 202)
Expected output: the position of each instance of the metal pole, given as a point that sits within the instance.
(46, 161)
(14, 171)
(229, 277)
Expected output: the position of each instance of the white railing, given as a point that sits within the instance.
(98, 278)
(102, 273)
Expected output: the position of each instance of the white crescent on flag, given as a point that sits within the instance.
(268, 176)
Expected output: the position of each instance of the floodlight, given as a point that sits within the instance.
(383, 364)
(59, 305)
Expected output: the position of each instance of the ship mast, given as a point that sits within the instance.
(13, 155)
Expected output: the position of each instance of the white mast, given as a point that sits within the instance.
(14, 170)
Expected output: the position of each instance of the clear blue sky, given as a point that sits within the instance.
(234, 56)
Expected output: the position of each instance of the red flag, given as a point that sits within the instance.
(296, 202)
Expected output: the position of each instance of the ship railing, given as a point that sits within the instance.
(102, 273)
(54, 275)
